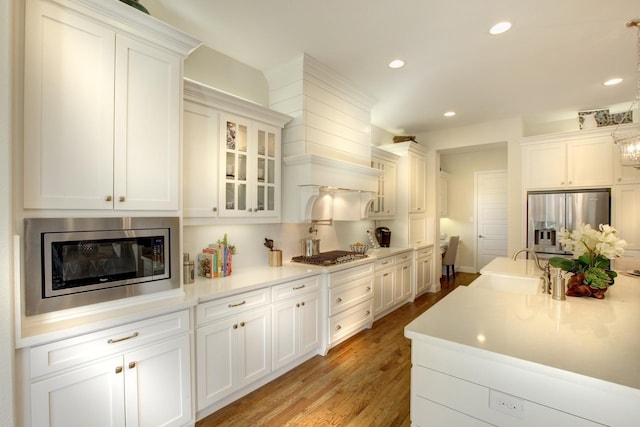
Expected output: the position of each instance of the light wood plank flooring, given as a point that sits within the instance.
(364, 381)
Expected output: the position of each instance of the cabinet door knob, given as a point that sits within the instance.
(108, 198)
(368, 288)
(122, 199)
(302, 303)
(338, 299)
(215, 209)
(242, 324)
(118, 369)
(298, 305)
(338, 327)
(368, 312)
(235, 326)
(132, 365)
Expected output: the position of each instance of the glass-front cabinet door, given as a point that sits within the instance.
(250, 156)
(267, 163)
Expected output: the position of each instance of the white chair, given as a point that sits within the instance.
(449, 257)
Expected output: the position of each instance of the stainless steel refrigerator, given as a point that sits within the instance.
(549, 212)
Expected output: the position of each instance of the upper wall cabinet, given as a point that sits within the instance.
(573, 160)
(384, 201)
(232, 158)
(102, 101)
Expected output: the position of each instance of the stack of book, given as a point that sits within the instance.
(214, 261)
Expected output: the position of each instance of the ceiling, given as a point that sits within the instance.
(549, 66)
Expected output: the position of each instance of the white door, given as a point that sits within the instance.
(491, 209)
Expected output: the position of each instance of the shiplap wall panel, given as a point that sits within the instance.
(330, 117)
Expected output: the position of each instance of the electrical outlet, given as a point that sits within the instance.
(506, 403)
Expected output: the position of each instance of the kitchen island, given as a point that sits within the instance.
(484, 356)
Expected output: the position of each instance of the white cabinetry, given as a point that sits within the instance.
(200, 151)
(232, 157)
(625, 174)
(626, 211)
(409, 224)
(384, 201)
(233, 341)
(573, 160)
(134, 375)
(392, 283)
(424, 261)
(350, 302)
(296, 320)
(102, 107)
(250, 158)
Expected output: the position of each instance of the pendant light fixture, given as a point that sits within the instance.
(629, 143)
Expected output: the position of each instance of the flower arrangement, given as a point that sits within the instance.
(591, 265)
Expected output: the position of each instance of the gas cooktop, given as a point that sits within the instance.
(328, 258)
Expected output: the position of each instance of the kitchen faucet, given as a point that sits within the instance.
(546, 269)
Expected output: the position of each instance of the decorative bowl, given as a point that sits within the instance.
(359, 249)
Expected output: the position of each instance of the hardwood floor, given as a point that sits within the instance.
(364, 381)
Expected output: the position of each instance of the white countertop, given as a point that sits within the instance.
(586, 336)
(54, 326)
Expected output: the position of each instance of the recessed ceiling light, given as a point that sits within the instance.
(396, 63)
(450, 114)
(500, 28)
(612, 82)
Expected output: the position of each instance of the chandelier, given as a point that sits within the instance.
(629, 143)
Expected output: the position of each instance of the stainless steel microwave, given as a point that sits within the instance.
(71, 262)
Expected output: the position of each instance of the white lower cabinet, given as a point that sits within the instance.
(350, 302)
(392, 283)
(234, 350)
(136, 375)
(296, 320)
(424, 262)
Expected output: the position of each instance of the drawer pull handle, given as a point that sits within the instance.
(338, 327)
(113, 341)
(238, 304)
(118, 369)
(295, 288)
(338, 299)
(132, 365)
(385, 262)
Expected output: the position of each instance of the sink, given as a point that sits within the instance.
(505, 283)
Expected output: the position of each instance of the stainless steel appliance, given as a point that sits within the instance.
(329, 258)
(383, 235)
(549, 212)
(71, 262)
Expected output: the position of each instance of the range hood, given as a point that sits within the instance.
(319, 188)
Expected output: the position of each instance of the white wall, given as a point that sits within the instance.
(6, 213)
(226, 74)
(461, 220)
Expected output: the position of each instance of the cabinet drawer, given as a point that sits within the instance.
(350, 320)
(72, 352)
(296, 287)
(348, 295)
(349, 275)
(403, 258)
(229, 306)
(424, 252)
(383, 263)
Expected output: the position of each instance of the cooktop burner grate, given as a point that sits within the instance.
(328, 258)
